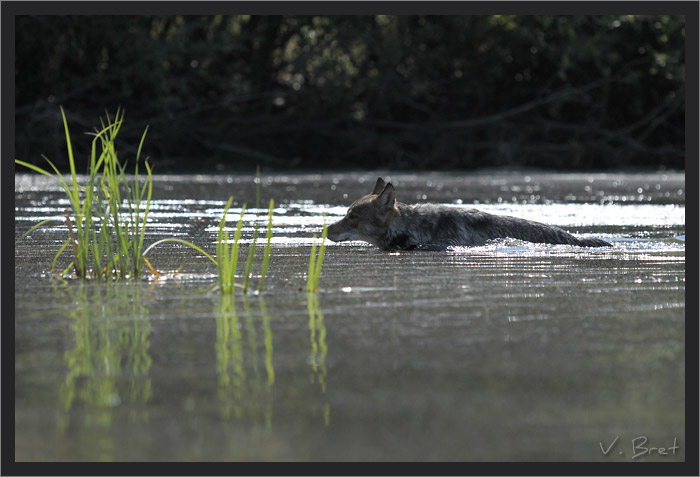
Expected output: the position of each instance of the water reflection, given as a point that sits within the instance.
(244, 391)
(319, 350)
(109, 362)
(244, 362)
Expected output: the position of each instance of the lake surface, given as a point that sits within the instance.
(508, 352)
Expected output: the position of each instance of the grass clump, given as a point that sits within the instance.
(106, 230)
(107, 219)
(226, 259)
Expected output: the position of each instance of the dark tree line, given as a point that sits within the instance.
(418, 92)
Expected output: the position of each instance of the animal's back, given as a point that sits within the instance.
(444, 225)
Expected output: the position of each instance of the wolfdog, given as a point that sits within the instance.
(379, 219)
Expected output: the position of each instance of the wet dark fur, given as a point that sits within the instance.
(445, 226)
(379, 219)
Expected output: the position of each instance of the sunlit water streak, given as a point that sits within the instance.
(295, 223)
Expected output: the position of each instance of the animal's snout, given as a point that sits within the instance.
(335, 231)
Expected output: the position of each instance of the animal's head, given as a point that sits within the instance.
(368, 218)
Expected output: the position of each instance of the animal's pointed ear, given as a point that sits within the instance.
(388, 197)
(379, 186)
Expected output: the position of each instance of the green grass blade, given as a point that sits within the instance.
(184, 242)
(58, 254)
(143, 138)
(57, 177)
(129, 240)
(234, 248)
(34, 168)
(249, 263)
(312, 268)
(222, 222)
(63, 183)
(266, 257)
(222, 245)
(251, 253)
(71, 159)
(67, 268)
(321, 252)
(59, 218)
(225, 272)
(149, 181)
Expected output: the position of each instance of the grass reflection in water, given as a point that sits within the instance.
(246, 386)
(243, 390)
(319, 350)
(109, 362)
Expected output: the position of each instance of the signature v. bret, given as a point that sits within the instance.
(605, 451)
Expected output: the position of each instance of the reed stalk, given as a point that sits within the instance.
(316, 263)
(266, 257)
(251, 251)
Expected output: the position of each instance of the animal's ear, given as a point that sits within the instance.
(388, 197)
(379, 186)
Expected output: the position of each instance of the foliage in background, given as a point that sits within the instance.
(395, 92)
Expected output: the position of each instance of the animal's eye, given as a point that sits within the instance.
(352, 215)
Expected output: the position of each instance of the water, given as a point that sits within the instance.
(511, 351)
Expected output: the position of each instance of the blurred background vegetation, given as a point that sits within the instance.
(351, 92)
